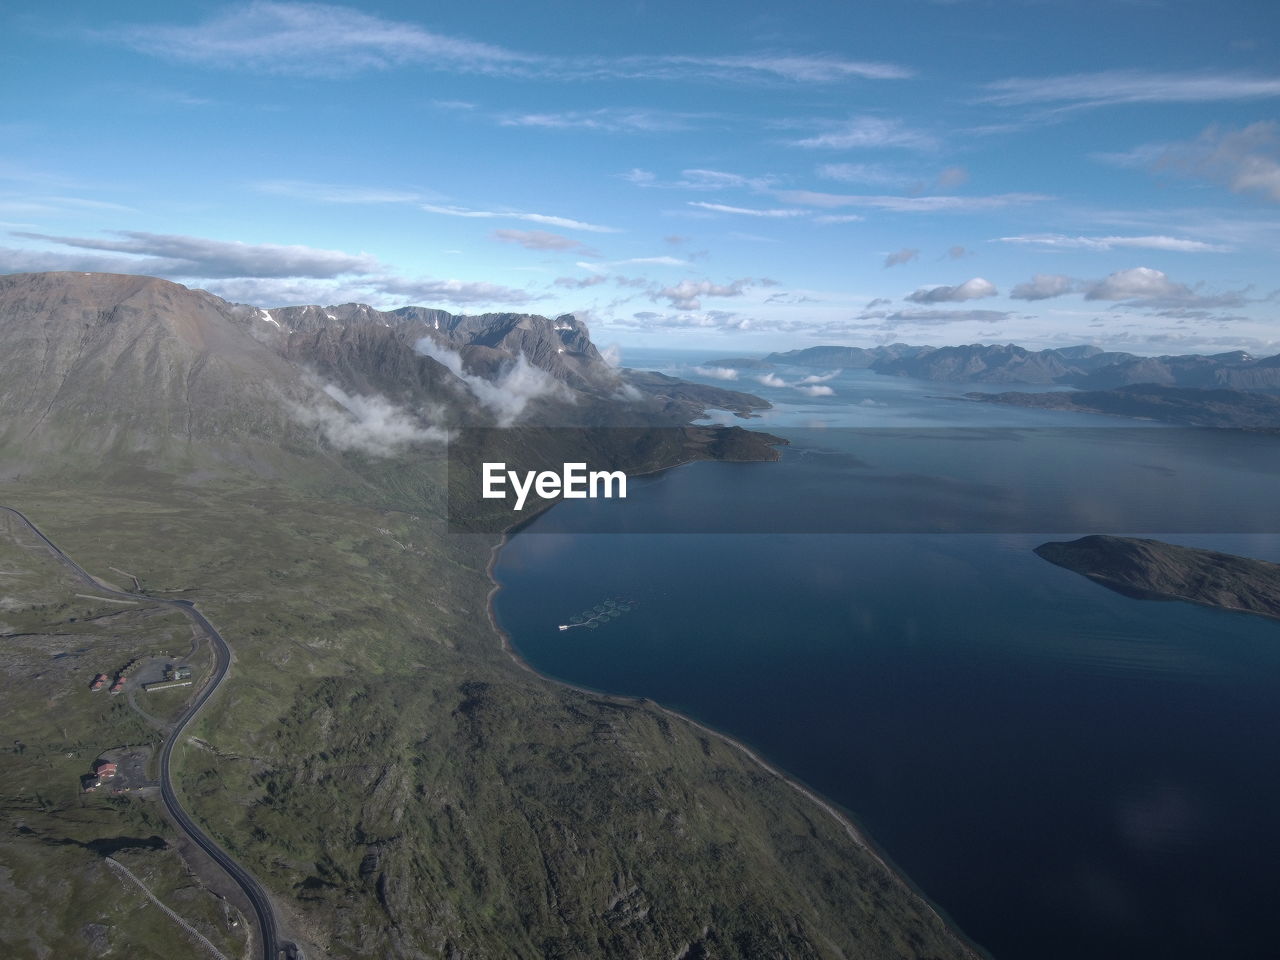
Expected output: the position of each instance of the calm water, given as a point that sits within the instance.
(1066, 772)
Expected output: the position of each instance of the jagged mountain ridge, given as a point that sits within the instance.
(366, 349)
(1084, 366)
(112, 365)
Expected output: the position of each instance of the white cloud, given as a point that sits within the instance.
(537, 239)
(546, 220)
(263, 274)
(510, 394)
(1132, 86)
(746, 211)
(863, 132)
(1137, 283)
(1247, 160)
(717, 373)
(323, 40)
(686, 294)
(699, 179)
(1043, 286)
(202, 257)
(929, 204)
(604, 119)
(861, 173)
(816, 391)
(820, 377)
(459, 292)
(581, 283)
(771, 380)
(316, 40)
(1172, 244)
(795, 69)
(974, 289)
(338, 193)
(366, 423)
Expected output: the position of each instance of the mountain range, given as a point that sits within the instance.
(1084, 366)
(92, 364)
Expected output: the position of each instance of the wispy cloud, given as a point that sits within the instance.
(545, 219)
(341, 193)
(905, 255)
(605, 119)
(199, 256)
(697, 179)
(867, 131)
(1247, 160)
(934, 204)
(427, 201)
(537, 239)
(869, 173)
(747, 211)
(1171, 244)
(323, 40)
(260, 273)
(316, 39)
(1131, 86)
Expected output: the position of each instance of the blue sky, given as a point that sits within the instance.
(715, 175)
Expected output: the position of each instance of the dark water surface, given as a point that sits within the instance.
(1066, 772)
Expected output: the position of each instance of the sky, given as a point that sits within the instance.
(730, 176)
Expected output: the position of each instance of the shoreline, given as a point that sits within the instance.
(842, 820)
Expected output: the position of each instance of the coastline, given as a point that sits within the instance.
(828, 807)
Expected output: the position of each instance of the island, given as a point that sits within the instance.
(1155, 570)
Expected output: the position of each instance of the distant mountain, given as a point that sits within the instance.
(848, 358)
(1182, 405)
(1082, 366)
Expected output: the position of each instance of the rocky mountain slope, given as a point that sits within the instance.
(399, 353)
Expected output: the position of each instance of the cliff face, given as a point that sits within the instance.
(1154, 570)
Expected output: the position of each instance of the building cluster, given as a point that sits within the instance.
(103, 770)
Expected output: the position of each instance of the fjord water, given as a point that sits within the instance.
(1064, 771)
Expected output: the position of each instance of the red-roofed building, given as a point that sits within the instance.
(117, 686)
(104, 769)
(98, 682)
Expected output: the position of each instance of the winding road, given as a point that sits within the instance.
(271, 943)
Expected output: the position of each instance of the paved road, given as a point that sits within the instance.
(271, 944)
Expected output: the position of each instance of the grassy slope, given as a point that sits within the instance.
(407, 790)
(58, 897)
